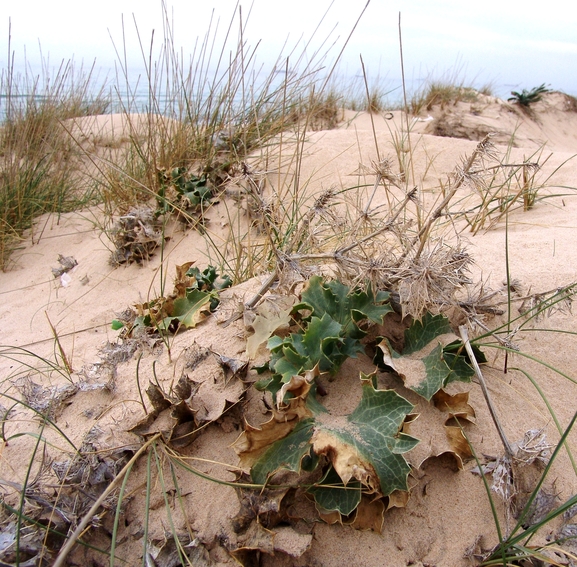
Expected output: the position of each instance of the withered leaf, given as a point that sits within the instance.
(270, 317)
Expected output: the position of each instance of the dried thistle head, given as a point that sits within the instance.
(384, 170)
(322, 201)
(473, 168)
(431, 281)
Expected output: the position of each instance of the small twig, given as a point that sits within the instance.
(503, 342)
(405, 100)
(263, 289)
(375, 187)
(88, 516)
(492, 411)
(503, 166)
(256, 298)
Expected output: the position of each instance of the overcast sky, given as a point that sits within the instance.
(510, 43)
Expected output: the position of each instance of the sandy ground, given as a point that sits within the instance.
(448, 510)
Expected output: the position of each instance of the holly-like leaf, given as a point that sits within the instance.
(365, 447)
(422, 332)
(427, 363)
(343, 305)
(322, 338)
(189, 310)
(366, 305)
(208, 279)
(321, 299)
(320, 344)
(289, 356)
(329, 334)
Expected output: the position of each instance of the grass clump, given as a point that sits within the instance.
(206, 116)
(37, 157)
(438, 93)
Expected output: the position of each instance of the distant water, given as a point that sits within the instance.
(132, 93)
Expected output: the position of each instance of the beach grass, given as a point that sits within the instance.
(38, 160)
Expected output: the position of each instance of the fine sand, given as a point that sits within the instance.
(448, 513)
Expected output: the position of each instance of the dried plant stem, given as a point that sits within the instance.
(492, 411)
(423, 233)
(370, 113)
(375, 187)
(263, 289)
(408, 197)
(65, 360)
(88, 516)
(405, 99)
(338, 254)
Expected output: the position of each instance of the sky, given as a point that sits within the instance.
(510, 44)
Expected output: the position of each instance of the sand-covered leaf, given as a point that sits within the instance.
(439, 427)
(364, 447)
(255, 441)
(286, 453)
(268, 320)
(430, 359)
(369, 445)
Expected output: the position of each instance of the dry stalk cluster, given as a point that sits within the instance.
(415, 253)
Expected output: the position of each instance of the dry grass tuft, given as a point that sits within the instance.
(37, 157)
(442, 95)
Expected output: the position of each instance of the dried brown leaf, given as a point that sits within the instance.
(255, 538)
(369, 515)
(345, 458)
(270, 317)
(182, 281)
(440, 433)
(456, 405)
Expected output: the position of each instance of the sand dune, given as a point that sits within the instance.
(448, 511)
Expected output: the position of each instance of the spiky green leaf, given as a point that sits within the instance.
(422, 332)
(189, 310)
